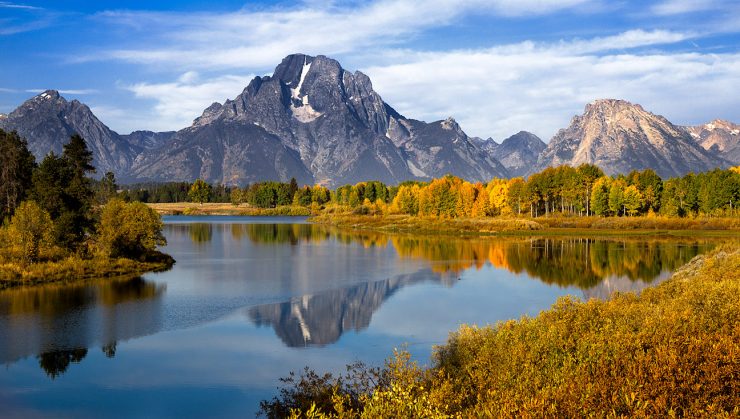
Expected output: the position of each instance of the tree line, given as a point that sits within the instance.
(574, 191)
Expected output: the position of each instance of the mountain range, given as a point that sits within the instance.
(319, 123)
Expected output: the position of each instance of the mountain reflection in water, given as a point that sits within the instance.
(597, 267)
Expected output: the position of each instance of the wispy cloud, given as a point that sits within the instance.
(177, 103)
(259, 38)
(8, 5)
(21, 18)
(675, 7)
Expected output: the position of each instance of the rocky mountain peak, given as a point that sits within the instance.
(518, 153)
(450, 124)
(48, 120)
(47, 95)
(620, 136)
(720, 137)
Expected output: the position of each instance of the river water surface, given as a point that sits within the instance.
(252, 298)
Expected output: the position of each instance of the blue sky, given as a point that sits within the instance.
(497, 66)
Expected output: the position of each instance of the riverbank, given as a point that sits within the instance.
(670, 351)
(74, 268)
(212, 208)
(556, 226)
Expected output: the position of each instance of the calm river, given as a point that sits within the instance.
(252, 298)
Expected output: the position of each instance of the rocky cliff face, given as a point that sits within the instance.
(48, 120)
(333, 120)
(719, 137)
(148, 140)
(518, 153)
(619, 137)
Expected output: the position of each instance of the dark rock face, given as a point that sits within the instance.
(518, 153)
(719, 137)
(339, 127)
(48, 120)
(619, 137)
(438, 148)
(148, 140)
(234, 153)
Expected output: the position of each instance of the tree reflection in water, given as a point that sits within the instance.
(72, 317)
(596, 266)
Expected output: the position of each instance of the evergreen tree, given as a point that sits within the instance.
(16, 171)
(106, 188)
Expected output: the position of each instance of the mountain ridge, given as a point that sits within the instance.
(315, 121)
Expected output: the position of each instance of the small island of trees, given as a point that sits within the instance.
(60, 224)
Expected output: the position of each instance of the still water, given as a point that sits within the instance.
(252, 298)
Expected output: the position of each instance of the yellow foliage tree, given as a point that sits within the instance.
(30, 231)
(129, 229)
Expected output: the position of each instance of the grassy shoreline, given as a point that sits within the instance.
(72, 269)
(543, 226)
(485, 226)
(211, 208)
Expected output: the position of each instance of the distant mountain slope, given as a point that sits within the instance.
(48, 120)
(619, 137)
(518, 153)
(720, 137)
(229, 153)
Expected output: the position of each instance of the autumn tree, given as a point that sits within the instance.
(200, 191)
(131, 230)
(633, 200)
(29, 231)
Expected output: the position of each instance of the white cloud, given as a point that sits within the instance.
(500, 91)
(177, 103)
(8, 5)
(675, 7)
(260, 38)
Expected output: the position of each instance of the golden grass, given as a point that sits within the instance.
(74, 268)
(210, 208)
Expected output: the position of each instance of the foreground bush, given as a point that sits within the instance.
(674, 350)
